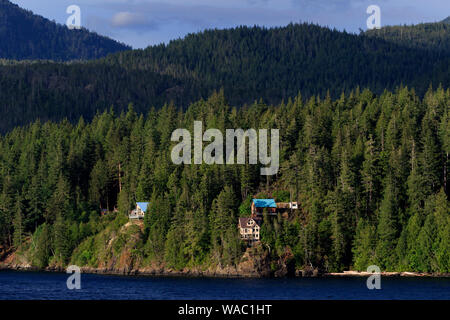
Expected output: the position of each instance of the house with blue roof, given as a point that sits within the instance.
(139, 212)
(261, 205)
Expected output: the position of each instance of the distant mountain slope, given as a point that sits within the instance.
(277, 63)
(430, 36)
(249, 63)
(24, 35)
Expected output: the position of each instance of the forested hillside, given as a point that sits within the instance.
(24, 35)
(248, 63)
(370, 174)
(49, 91)
(277, 63)
(426, 36)
(365, 141)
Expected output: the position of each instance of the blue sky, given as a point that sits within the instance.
(140, 23)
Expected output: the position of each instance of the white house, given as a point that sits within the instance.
(250, 228)
(139, 212)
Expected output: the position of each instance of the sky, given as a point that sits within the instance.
(141, 23)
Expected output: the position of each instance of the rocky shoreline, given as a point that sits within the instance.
(387, 274)
(254, 263)
(228, 272)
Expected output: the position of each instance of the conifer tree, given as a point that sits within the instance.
(370, 176)
(18, 226)
(441, 246)
(43, 245)
(61, 239)
(364, 245)
(430, 158)
(387, 230)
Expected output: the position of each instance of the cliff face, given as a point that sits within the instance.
(112, 251)
(255, 263)
(126, 260)
(15, 261)
(119, 250)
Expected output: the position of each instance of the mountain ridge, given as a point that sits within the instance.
(424, 36)
(24, 35)
(249, 64)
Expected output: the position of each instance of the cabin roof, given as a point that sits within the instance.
(143, 205)
(243, 222)
(264, 203)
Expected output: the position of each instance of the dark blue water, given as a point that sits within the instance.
(36, 285)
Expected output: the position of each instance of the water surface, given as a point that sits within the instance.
(39, 285)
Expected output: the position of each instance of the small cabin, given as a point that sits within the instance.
(249, 229)
(281, 206)
(139, 212)
(261, 205)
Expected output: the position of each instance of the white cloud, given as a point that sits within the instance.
(129, 19)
